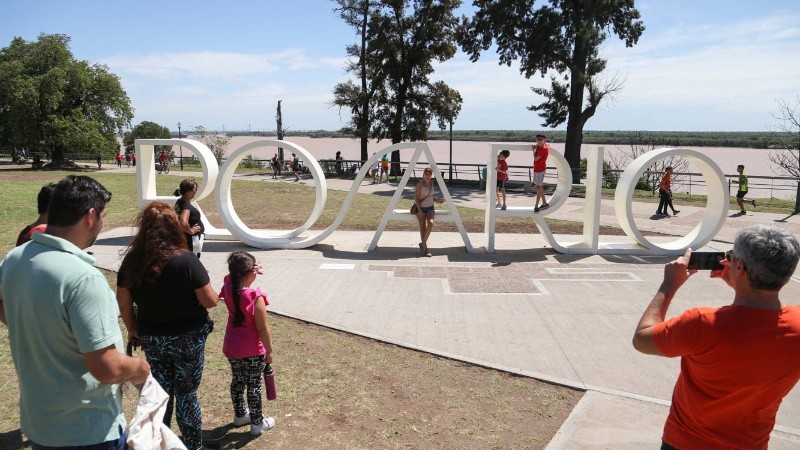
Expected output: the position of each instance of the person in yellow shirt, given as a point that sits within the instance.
(742, 190)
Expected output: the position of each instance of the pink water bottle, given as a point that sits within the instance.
(269, 383)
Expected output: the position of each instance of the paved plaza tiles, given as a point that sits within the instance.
(524, 309)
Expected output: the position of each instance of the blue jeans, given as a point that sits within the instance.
(118, 444)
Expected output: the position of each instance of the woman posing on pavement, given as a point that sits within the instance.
(424, 199)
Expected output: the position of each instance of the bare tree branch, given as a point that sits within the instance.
(786, 157)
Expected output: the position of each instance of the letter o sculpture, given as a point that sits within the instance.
(713, 216)
(228, 213)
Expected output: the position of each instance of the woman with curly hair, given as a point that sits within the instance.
(171, 290)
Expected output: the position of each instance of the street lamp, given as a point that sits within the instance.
(451, 149)
(181, 147)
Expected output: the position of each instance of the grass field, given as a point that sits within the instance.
(335, 390)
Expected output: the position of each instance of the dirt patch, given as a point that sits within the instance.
(337, 390)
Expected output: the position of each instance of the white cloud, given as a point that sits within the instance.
(213, 65)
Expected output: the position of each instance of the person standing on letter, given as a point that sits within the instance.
(540, 152)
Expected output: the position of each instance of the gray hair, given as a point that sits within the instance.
(769, 254)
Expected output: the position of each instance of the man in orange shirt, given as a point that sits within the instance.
(737, 361)
(540, 152)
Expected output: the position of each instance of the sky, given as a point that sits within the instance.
(700, 65)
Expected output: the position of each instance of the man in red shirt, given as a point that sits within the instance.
(737, 361)
(42, 203)
(540, 152)
(502, 176)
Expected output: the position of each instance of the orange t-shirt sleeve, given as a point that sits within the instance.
(680, 335)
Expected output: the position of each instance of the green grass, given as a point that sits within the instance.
(335, 390)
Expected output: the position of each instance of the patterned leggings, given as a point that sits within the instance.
(247, 375)
(176, 362)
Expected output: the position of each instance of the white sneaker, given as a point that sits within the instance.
(266, 425)
(241, 421)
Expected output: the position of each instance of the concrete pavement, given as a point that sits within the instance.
(524, 309)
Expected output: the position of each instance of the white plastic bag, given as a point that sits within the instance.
(146, 431)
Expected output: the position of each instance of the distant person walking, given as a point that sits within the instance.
(296, 167)
(99, 162)
(502, 176)
(540, 151)
(665, 194)
(276, 166)
(119, 160)
(384, 168)
(338, 163)
(742, 190)
(248, 340)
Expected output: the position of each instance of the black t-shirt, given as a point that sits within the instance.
(194, 219)
(194, 214)
(171, 306)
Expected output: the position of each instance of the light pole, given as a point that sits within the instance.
(181, 147)
(451, 150)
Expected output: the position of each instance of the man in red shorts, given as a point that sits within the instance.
(737, 361)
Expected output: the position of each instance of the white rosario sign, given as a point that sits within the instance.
(217, 180)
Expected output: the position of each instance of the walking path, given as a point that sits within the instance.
(524, 309)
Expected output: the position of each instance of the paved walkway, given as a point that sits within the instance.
(524, 309)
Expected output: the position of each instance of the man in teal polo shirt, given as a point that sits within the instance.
(62, 326)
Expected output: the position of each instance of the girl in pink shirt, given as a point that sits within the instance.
(248, 341)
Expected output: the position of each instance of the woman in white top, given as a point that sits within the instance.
(424, 199)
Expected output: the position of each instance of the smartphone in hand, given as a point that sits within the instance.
(706, 260)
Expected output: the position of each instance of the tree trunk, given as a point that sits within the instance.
(575, 122)
(572, 148)
(58, 157)
(363, 126)
(279, 119)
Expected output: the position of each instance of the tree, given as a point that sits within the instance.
(358, 100)
(399, 39)
(445, 106)
(563, 36)
(217, 143)
(407, 36)
(51, 102)
(147, 130)
(788, 129)
(787, 158)
(641, 143)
